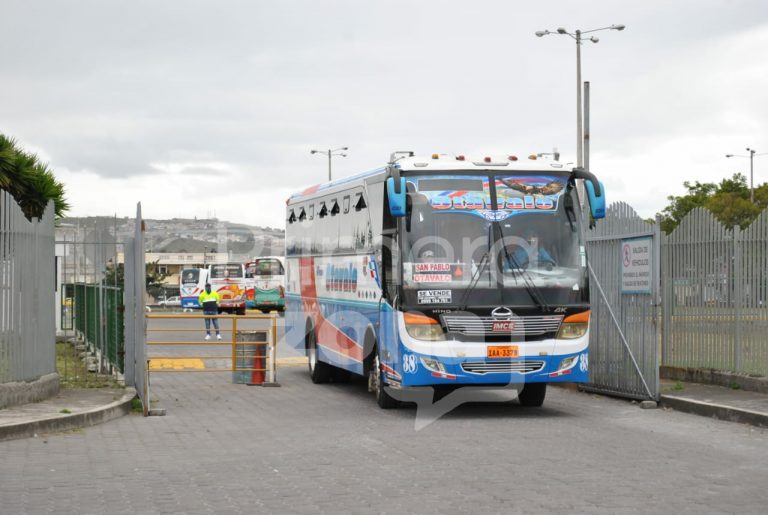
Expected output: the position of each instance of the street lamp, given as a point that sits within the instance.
(331, 152)
(577, 35)
(751, 156)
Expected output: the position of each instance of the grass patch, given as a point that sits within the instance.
(735, 386)
(678, 386)
(73, 372)
(65, 411)
(136, 406)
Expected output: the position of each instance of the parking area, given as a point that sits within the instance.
(227, 448)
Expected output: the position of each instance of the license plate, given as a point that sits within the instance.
(501, 351)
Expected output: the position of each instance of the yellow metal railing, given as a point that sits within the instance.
(268, 368)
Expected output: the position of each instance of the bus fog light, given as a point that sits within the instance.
(433, 365)
(568, 363)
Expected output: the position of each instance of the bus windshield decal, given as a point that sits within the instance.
(470, 195)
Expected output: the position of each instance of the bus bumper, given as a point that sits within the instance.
(269, 299)
(421, 370)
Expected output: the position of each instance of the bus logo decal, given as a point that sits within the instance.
(503, 326)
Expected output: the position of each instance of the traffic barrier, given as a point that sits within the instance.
(253, 350)
(250, 359)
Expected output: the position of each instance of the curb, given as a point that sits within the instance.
(719, 411)
(58, 423)
(715, 377)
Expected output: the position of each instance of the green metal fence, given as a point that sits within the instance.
(98, 316)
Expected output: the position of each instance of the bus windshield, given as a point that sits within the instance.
(264, 268)
(524, 234)
(190, 276)
(228, 271)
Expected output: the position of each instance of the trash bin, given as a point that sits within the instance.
(249, 355)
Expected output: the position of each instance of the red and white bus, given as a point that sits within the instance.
(229, 280)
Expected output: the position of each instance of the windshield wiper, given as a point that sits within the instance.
(533, 291)
(484, 262)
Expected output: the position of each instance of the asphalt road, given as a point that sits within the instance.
(305, 448)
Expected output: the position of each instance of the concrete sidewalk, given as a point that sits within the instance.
(70, 409)
(74, 408)
(735, 405)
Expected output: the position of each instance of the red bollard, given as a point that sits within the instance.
(257, 376)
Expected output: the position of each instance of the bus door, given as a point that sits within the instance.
(388, 340)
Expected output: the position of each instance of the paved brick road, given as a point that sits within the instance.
(304, 448)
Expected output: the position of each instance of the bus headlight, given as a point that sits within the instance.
(423, 327)
(574, 326)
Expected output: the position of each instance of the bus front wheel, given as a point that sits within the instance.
(376, 384)
(319, 372)
(532, 394)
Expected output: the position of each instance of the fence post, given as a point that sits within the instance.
(736, 277)
(129, 316)
(668, 292)
(658, 297)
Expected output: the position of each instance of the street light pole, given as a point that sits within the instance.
(751, 174)
(579, 107)
(330, 153)
(577, 36)
(751, 156)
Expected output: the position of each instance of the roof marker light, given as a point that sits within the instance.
(487, 159)
(460, 158)
(435, 156)
(513, 158)
(533, 157)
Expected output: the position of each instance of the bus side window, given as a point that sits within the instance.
(346, 204)
(360, 202)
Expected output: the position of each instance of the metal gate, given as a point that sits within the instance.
(624, 258)
(135, 321)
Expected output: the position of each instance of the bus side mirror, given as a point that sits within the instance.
(396, 196)
(596, 203)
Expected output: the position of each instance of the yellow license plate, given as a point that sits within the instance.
(502, 351)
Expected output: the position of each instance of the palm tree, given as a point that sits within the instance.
(30, 182)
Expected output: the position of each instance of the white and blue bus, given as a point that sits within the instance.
(191, 285)
(442, 272)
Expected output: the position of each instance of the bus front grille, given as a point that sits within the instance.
(495, 367)
(487, 326)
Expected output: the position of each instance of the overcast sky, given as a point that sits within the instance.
(196, 107)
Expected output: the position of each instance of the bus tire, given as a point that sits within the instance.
(532, 394)
(319, 372)
(376, 384)
(340, 375)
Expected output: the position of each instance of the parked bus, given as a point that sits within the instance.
(443, 272)
(265, 283)
(229, 280)
(191, 285)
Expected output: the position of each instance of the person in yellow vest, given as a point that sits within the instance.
(209, 301)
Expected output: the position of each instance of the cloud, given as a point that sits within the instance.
(224, 101)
